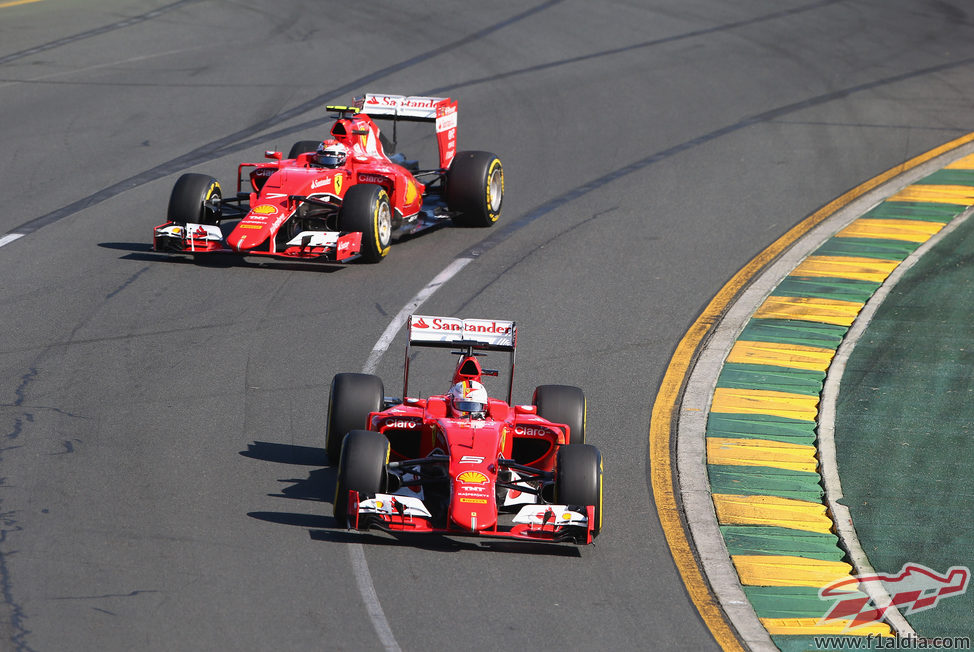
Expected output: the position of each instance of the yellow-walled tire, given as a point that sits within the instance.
(351, 399)
(195, 198)
(475, 188)
(578, 479)
(362, 468)
(366, 208)
(563, 404)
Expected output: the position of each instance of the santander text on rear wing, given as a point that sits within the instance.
(456, 333)
(452, 332)
(417, 108)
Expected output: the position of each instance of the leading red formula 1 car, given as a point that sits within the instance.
(339, 199)
(462, 463)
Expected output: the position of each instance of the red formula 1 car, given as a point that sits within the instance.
(463, 463)
(339, 199)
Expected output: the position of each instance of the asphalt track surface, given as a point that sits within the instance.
(164, 483)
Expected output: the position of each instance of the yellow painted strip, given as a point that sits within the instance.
(772, 510)
(14, 3)
(964, 163)
(761, 452)
(863, 269)
(936, 194)
(764, 401)
(666, 406)
(811, 627)
(827, 311)
(776, 354)
(907, 230)
(783, 570)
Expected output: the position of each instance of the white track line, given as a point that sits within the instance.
(356, 553)
(10, 237)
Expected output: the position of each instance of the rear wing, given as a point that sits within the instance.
(416, 108)
(456, 333)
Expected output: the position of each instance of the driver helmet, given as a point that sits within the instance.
(331, 154)
(469, 400)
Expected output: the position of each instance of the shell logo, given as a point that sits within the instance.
(472, 477)
(264, 209)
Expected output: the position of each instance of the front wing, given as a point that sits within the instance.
(318, 246)
(544, 523)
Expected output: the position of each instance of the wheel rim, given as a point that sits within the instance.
(495, 189)
(384, 223)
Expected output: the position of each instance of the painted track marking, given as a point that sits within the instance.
(356, 552)
(680, 411)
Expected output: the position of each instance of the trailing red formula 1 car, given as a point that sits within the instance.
(462, 463)
(339, 199)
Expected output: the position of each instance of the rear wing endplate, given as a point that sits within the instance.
(417, 108)
(453, 332)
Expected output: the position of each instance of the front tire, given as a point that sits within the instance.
(578, 479)
(352, 398)
(475, 188)
(366, 208)
(563, 404)
(195, 198)
(361, 468)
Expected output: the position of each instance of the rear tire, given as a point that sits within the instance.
(303, 147)
(366, 208)
(563, 404)
(578, 479)
(361, 468)
(351, 399)
(475, 188)
(187, 202)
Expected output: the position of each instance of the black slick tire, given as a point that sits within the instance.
(361, 468)
(351, 399)
(303, 147)
(475, 188)
(189, 197)
(578, 479)
(563, 404)
(366, 208)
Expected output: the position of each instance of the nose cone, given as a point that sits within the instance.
(253, 230)
(473, 506)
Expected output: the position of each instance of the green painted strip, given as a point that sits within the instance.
(741, 375)
(793, 331)
(843, 289)
(927, 211)
(949, 178)
(771, 540)
(786, 601)
(867, 248)
(760, 426)
(764, 481)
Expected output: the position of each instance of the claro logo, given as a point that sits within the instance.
(401, 423)
(531, 431)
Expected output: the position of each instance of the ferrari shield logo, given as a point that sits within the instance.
(338, 184)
